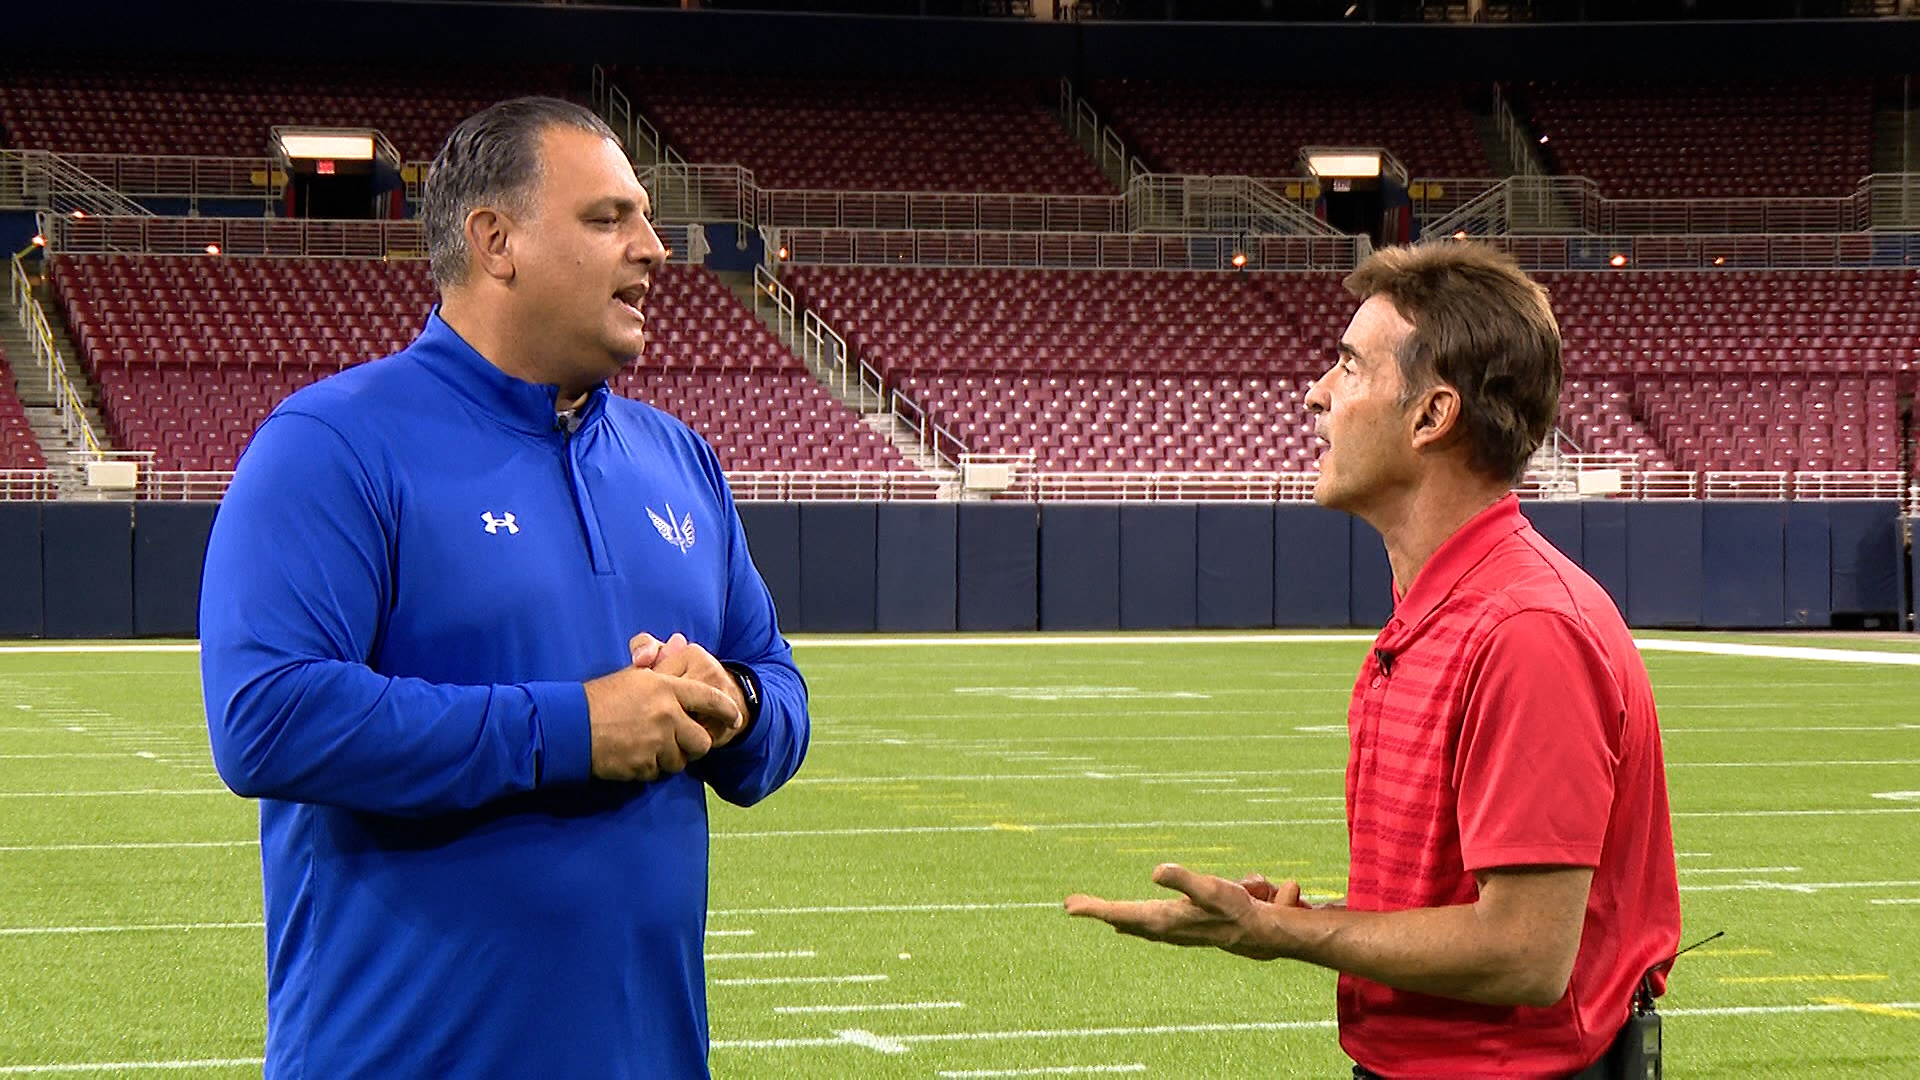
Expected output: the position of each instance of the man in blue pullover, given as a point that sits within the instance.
(478, 635)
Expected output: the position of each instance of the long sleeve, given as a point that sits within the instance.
(298, 578)
(750, 770)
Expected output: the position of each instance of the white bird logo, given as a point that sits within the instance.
(680, 536)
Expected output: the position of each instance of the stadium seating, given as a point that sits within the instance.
(1097, 371)
(1769, 371)
(18, 447)
(228, 110)
(1686, 141)
(1110, 371)
(1257, 129)
(871, 135)
(191, 354)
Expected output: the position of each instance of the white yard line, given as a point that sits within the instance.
(892, 1006)
(130, 1066)
(1043, 1071)
(792, 980)
(1779, 652)
(131, 928)
(156, 845)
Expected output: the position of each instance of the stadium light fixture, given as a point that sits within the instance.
(1239, 260)
(1345, 164)
(1719, 260)
(783, 254)
(1543, 140)
(1618, 260)
(1461, 235)
(213, 249)
(325, 146)
(78, 215)
(39, 240)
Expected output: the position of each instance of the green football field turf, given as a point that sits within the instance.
(894, 912)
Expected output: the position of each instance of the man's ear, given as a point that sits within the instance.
(487, 232)
(1436, 418)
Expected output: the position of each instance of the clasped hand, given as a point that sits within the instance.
(673, 705)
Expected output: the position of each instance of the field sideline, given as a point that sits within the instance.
(894, 911)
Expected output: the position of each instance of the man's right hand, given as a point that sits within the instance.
(647, 725)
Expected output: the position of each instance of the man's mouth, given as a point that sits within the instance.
(632, 297)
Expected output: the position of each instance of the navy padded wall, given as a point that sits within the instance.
(999, 556)
(917, 572)
(1079, 566)
(1158, 572)
(773, 539)
(1312, 566)
(1235, 564)
(837, 553)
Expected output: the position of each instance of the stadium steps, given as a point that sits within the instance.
(1487, 127)
(1895, 130)
(1089, 144)
(41, 405)
(871, 407)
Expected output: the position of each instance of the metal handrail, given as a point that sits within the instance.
(50, 181)
(1513, 137)
(835, 363)
(1699, 251)
(1031, 484)
(1101, 138)
(313, 238)
(1059, 251)
(40, 336)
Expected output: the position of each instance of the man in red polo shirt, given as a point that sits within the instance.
(1512, 876)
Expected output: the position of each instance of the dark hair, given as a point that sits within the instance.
(1483, 327)
(491, 159)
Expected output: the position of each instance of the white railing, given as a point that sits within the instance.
(613, 105)
(1817, 251)
(1108, 148)
(28, 485)
(1152, 202)
(58, 183)
(1521, 156)
(1028, 484)
(874, 486)
(808, 209)
(1574, 205)
(1037, 486)
(278, 238)
(1065, 251)
(174, 176)
(46, 351)
(1159, 202)
(834, 363)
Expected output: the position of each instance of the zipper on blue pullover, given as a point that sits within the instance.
(569, 427)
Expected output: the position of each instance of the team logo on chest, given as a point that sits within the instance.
(680, 535)
(504, 521)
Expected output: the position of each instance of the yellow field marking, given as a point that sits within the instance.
(1183, 851)
(1005, 826)
(1744, 979)
(1865, 1007)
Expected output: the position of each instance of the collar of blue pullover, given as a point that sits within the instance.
(534, 408)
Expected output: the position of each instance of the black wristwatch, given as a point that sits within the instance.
(749, 689)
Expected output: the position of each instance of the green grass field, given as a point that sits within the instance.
(894, 911)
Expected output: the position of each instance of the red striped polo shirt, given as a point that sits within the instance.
(1504, 718)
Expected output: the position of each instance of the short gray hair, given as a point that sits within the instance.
(491, 159)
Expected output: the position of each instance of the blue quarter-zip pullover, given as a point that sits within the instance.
(417, 566)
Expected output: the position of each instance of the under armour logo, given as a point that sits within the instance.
(504, 521)
(680, 536)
